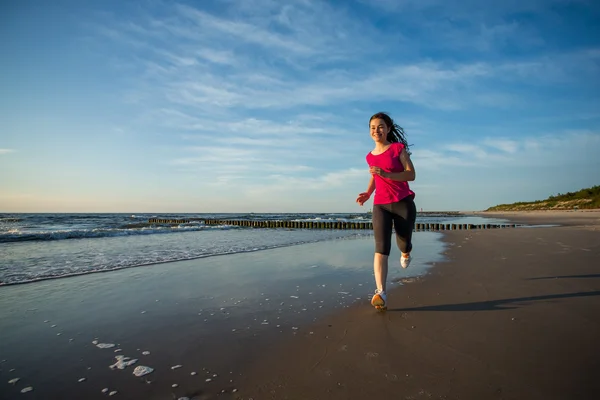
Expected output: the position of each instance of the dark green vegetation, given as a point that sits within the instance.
(582, 199)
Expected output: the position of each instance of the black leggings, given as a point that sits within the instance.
(402, 216)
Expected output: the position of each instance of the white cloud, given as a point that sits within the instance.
(547, 150)
(245, 59)
(468, 150)
(242, 30)
(6, 151)
(293, 186)
(505, 145)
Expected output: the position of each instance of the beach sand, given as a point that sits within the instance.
(513, 314)
(510, 314)
(581, 218)
(212, 316)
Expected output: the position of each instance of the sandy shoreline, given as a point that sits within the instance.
(512, 314)
(581, 218)
(212, 316)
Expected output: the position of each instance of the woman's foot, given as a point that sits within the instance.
(379, 300)
(405, 259)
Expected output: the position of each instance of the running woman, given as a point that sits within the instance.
(393, 206)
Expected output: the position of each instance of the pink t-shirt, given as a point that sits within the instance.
(387, 190)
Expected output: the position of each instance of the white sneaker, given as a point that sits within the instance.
(379, 300)
(405, 261)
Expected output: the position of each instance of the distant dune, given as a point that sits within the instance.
(583, 199)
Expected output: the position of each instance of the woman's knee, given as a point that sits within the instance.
(383, 248)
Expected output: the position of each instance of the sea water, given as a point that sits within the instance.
(47, 246)
(235, 285)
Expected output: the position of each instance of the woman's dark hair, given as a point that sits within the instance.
(396, 133)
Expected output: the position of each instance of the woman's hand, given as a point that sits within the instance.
(377, 171)
(362, 198)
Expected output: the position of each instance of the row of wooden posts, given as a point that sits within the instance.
(325, 224)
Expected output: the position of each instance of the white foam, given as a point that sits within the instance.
(82, 379)
(193, 374)
(174, 385)
(105, 345)
(94, 342)
(113, 393)
(123, 362)
(145, 353)
(176, 366)
(142, 370)
(13, 381)
(104, 390)
(27, 389)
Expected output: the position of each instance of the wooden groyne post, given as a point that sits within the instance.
(324, 224)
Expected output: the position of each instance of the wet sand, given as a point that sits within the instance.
(512, 314)
(212, 317)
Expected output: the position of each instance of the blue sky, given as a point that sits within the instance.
(263, 105)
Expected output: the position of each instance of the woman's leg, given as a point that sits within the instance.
(405, 215)
(380, 268)
(382, 230)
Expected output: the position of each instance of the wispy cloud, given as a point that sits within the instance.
(242, 60)
(6, 151)
(469, 150)
(290, 186)
(545, 150)
(505, 145)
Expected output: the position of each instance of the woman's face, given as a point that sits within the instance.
(379, 130)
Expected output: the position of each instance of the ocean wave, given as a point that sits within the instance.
(10, 220)
(8, 277)
(24, 236)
